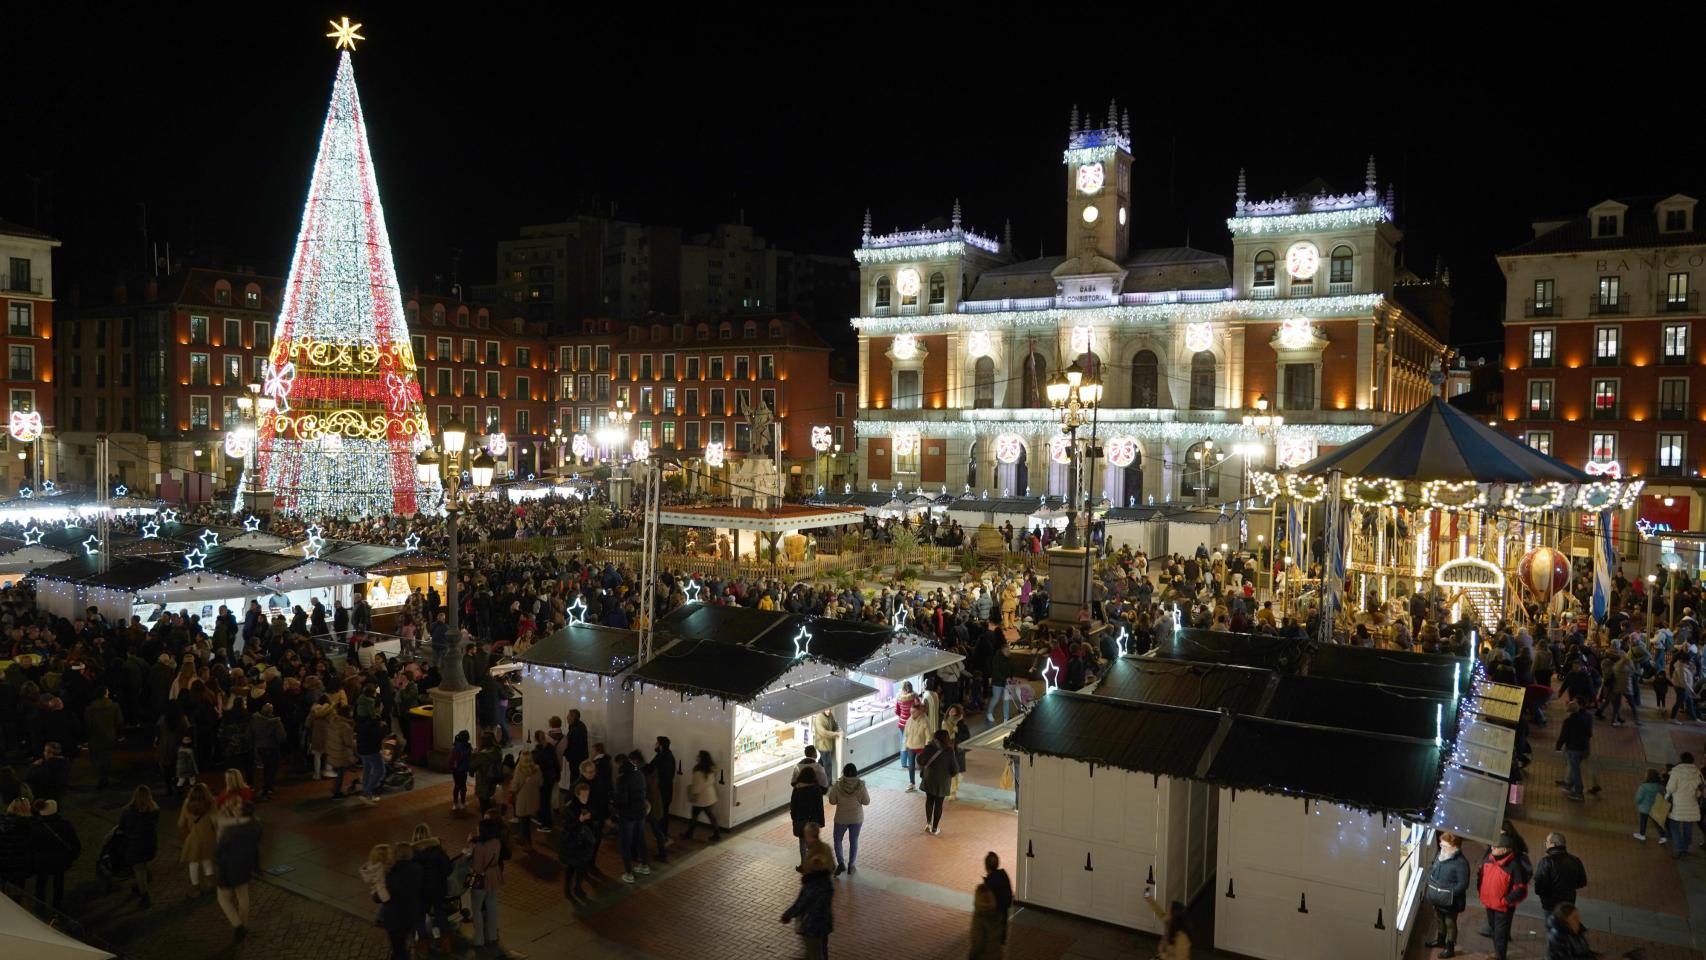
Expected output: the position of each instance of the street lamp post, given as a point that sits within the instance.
(1074, 398)
(453, 435)
(1652, 588)
(1207, 457)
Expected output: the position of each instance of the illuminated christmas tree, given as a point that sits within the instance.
(346, 421)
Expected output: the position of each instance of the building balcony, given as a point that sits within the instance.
(1339, 288)
(1302, 288)
(1262, 291)
(1673, 413)
(1667, 302)
(30, 285)
(1669, 470)
(1543, 308)
(1675, 359)
(1606, 413)
(1609, 360)
(1542, 363)
(1602, 306)
(1545, 414)
(23, 374)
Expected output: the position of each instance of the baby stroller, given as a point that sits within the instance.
(112, 865)
(398, 773)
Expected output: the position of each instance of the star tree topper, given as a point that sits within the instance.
(344, 35)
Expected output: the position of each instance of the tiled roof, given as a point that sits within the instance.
(11, 229)
(1640, 231)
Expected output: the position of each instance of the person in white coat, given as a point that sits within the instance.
(1683, 792)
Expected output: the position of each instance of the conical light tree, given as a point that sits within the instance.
(346, 419)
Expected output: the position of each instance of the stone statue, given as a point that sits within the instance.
(761, 418)
(452, 676)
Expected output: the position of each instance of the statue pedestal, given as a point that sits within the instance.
(452, 712)
(756, 483)
(1067, 604)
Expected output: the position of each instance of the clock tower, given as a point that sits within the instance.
(1098, 186)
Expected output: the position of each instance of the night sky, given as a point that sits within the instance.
(478, 126)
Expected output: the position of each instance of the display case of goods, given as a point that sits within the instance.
(872, 732)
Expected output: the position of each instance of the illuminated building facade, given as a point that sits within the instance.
(958, 339)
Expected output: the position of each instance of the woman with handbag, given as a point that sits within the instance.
(937, 768)
(1447, 886)
(485, 878)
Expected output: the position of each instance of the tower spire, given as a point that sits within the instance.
(956, 213)
(1113, 115)
(1368, 177)
(1125, 123)
(866, 235)
(1007, 235)
(1242, 192)
(1074, 128)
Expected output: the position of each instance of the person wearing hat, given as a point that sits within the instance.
(1502, 882)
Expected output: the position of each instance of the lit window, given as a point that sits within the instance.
(1540, 346)
(1540, 441)
(1603, 447)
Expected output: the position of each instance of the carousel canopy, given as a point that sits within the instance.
(1436, 441)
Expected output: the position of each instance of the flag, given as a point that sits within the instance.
(1604, 558)
(1294, 534)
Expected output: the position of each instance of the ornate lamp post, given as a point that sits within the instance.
(453, 435)
(1074, 398)
(1207, 457)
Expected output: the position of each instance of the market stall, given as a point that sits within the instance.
(870, 733)
(581, 667)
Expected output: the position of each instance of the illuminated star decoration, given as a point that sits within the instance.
(151, 530)
(1051, 675)
(311, 549)
(195, 560)
(692, 591)
(92, 545)
(802, 642)
(1645, 526)
(121, 490)
(899, 618)
(209, 539)
(344, 34)
(412, 542)
(577, 610)
(48, 487)
(251, 523)
(32, 536)
(1123, 640)
(26, 492)
(170, 516)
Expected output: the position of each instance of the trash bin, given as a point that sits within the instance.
(420, 733)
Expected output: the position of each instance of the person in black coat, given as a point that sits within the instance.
(1558, 875)
(663, 764)
(435, 868)
(401, 914)
(1566, 938)
(139, 825)
(805, 805)
(236, 860)
(15, 827)
(1447, 890)
(576, 846)
(54, 847)
(575, 741)
(50, 776)
(814, 905)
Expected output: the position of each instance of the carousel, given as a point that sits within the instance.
(1435, 504)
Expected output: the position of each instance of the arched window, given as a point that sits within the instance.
(775, 329)
(252, 295)
(1145, 380)
(725, 331)
(1202, 381)
(983, 378)
(702, 332)
(1198, 474)
(1340, 269)
(482, 320)
(1036, 380)
(412, 312)
(883, 292)
(751, 330)
(1264, 276)
(222, 292)
(938, 288)
(438, 314)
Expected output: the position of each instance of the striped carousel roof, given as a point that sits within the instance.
(1436, 441)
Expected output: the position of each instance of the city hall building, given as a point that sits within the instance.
(1312, 314)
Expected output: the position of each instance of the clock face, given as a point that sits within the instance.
(907, 282)
(1090, 214)
(1090, 178)
(1302, 260)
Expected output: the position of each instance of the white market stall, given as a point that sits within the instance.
(870, 733)
(744, 684)
(582, 667)
(767, 530)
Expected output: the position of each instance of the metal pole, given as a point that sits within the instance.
(1072, 486)
(452, 587)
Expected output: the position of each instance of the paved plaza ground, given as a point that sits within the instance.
(912, 892)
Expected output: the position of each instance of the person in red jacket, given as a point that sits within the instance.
(1503, 884)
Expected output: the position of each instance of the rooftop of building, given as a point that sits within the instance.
(10, 229)
(1642, 229)
(1147, 271)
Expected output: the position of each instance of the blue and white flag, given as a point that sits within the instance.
(1604, 559)
(1294, 535)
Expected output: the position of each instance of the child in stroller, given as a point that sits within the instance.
(112, 865)
(398, 773)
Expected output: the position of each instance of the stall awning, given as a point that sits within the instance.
(904, 662)
(1471, 804)
(995, 738)
(1201, 685)
(842, 643)
(710, 669)
(586, 648)
(801, 700)
(1486, 747)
